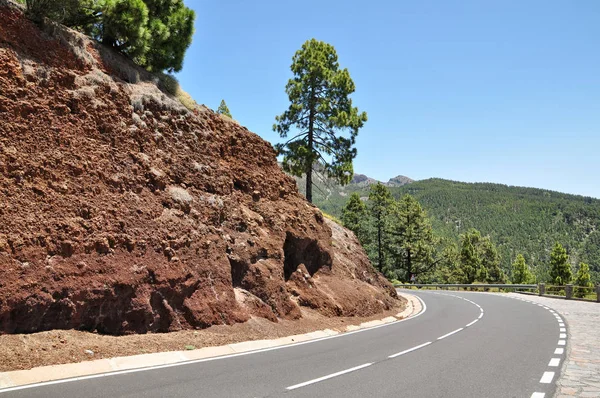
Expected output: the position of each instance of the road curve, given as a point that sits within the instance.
(462, 345)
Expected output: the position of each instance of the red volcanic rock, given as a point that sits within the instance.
(123, 212)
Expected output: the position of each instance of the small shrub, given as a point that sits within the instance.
(168, 83)
(186, 100)
(332, 218)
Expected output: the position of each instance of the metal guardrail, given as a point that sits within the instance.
(568, 292)
(466, 285)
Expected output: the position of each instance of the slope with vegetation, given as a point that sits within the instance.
(122, 211)
(526, 221)
(400, 241)
(153, 33)
(519, 220)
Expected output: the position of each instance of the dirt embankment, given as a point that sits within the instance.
(122, 212)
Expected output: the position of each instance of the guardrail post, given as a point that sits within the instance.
(542, 288)
(569, 291)
(598, 293)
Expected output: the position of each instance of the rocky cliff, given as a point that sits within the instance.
(121, 211)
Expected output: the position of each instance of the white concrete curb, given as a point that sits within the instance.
(15, 379)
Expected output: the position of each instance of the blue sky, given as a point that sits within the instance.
(496, 91)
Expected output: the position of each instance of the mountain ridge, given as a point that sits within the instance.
(518, 219)
(397, 181)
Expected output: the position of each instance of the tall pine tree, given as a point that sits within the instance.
(355, 218)
(582, 280)
(490, 261)
(520, 271)
(320, 110)
(469, 261)
(560, 269)
(479, 260)
(380, 201)
(411, 240)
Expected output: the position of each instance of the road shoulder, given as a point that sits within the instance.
(581, 372)
(96, 368)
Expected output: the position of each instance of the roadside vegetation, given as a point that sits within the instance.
(519, 221)
(154, 34)
(400, 240)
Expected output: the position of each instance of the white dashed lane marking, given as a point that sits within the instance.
(547, 378)
(306, 383)
(409, 350)
(554, 362)
(450, 334)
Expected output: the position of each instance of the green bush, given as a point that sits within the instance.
(154, 33)
(168, 83)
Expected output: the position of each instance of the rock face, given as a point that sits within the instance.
(123, 212)
(363, 180)
(399, 181)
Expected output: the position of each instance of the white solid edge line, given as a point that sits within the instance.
(409, 350)
(469, 324)
(538, 395)
(559, 351)
(450, 334)
(480, 316)
(554, 362)
(306, 383)
(547, 377)
(194, 361)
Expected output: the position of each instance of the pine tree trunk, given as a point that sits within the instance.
(309, 184)
(379, 248)
(309, 165)
(409, 264)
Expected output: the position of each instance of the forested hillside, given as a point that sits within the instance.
(519, 220)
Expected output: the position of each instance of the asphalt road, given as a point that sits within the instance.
(462, 345)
